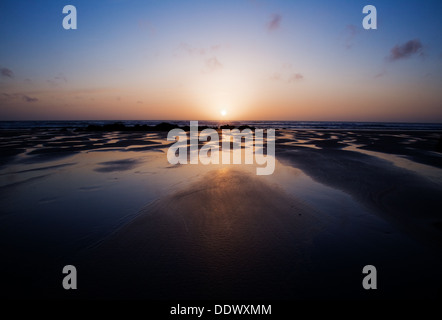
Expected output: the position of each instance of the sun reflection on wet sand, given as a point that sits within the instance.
(116, 197)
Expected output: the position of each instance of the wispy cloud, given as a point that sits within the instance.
(147, 25)
(29, 99)
(380, 74)
(191, 50)
(61, 77)
(92, 90)
(286, 74)
(185, 47)
(212, 65)
(57, 80)
(275, 76)
(215, 47)
(7, 96)
(275, 22)
(350, 32)
(406, 50)
(295, 77)
(16, 96)
(7, 73)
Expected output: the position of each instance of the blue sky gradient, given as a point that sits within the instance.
(269, 60)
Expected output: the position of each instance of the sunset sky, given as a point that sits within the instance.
(191, 60)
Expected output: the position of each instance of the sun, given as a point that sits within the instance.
(223, 112)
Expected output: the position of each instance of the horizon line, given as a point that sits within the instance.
(223, 120)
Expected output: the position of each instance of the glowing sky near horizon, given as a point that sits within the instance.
(252, 59)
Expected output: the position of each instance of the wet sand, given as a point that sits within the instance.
(225, 233)
(211, 239)
(411, 200)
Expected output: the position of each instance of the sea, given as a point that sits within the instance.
(313, 125)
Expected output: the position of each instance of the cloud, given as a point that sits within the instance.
(212, 65)
(275, 22)
(276, 76)
(185, 47)
(29, 99)
(203, 53)
(406, 50)
(215, 47)
(16, 96)
(7, 96)
(286, 75)
(61, 77)
(191, 50)
(350, 33)
(295, 77)
(57, 80)
(93, 90)
(144, 24)
(7, 72)
(380, 74)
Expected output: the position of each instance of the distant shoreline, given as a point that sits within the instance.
(292, 125)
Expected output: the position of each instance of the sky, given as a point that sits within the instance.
(212, 60)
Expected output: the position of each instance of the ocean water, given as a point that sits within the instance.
(314, 125)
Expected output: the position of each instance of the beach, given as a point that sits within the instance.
(135, 226)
